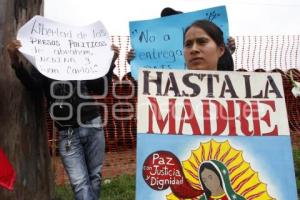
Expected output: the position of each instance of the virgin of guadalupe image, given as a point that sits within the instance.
(214, 179)
(220, 172)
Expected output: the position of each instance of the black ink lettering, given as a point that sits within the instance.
(172, 85)
(156, 81)
(227, 82)
(195, 87)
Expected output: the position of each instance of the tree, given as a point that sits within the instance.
(23, 135)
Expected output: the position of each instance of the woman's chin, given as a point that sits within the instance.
(198, 67)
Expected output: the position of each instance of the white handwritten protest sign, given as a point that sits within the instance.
(63, 52)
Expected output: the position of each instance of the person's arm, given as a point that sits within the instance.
(231, 44)
(112, 65)
(130, 55)
(32, 80)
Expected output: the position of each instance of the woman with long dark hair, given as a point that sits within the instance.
(204, 47)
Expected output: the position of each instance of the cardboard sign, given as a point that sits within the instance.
(63, 52)
(213, 135)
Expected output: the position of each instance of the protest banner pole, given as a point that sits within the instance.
(23, 135)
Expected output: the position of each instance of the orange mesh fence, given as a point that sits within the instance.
(253, 53)
(267, 52)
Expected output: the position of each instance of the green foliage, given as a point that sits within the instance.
(296, 154)
(119, 188)
(63, 193)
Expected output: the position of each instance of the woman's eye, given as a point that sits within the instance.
(201, 41)
(188, 44)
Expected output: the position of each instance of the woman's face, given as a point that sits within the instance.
(200, 50)
(210, 180)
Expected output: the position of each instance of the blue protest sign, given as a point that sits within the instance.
(158, 43)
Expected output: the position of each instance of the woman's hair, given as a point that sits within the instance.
(225, 62)
(210, 166)
(169, 11)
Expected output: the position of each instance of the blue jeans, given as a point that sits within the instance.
(82, 152)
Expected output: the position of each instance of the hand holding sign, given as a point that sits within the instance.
(13, 52)
(64, 52)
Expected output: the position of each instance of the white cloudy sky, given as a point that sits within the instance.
(246, 17)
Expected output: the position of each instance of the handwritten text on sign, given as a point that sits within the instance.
(64, 52)
(158, 43)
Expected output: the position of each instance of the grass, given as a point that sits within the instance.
(123, 187)
(63, 193)
(119, 188)
(296, 154)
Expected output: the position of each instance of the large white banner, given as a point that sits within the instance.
(212, 135)
(64, 52)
